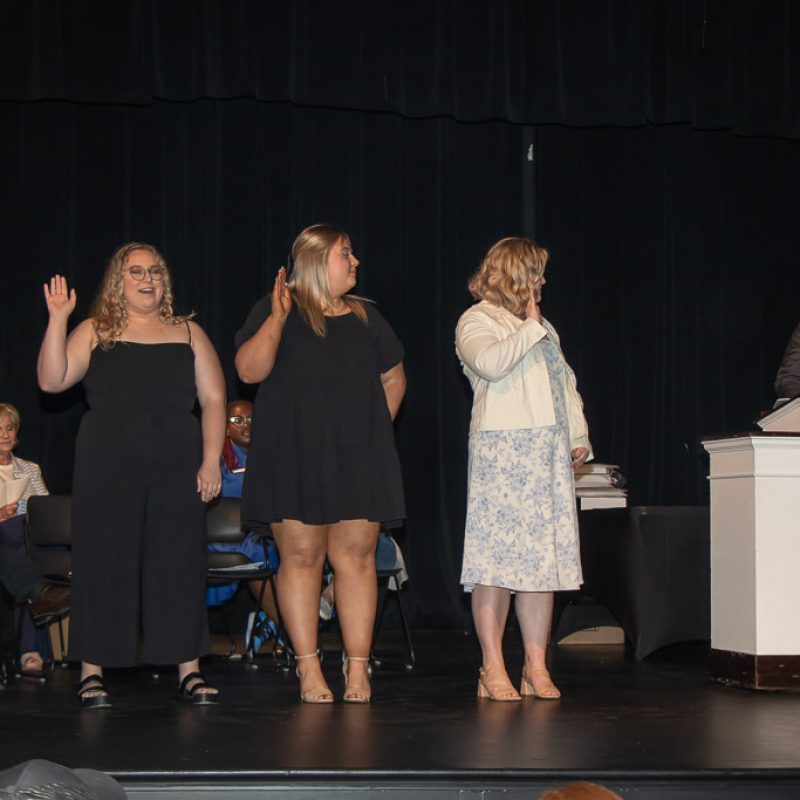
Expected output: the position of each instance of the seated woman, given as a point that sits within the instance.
(33, 643)
(21, 578)
(239, 414)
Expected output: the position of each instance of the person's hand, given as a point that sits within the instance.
(532, 309)
(9, 511)
(209, 481)
(579, 456)
(59, 298)
(281, 297)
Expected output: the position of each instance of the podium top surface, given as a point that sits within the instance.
(750, 434)
(785, 417)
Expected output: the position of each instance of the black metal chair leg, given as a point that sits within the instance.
(406, 630)
(249, 651)
(382, 590)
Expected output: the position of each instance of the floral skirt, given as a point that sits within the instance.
(522, 524)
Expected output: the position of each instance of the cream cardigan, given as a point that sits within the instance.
(508, 375)
(36, 484)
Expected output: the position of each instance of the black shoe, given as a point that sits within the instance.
(193, 694)
(93, 683)
(37, 673)
(52, 602)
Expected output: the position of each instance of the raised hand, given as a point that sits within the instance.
(281, 296)
(59, 298)
(532, 309)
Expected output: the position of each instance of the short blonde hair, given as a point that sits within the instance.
(509, 271)
(7, 410)
(308, 280)
(108, 312)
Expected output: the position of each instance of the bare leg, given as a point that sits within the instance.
(302, 549)
(490, 606)
(534, 613)
(267, 601)
(351, 551)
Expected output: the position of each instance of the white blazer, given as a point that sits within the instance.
(36, 484)
(508, 375)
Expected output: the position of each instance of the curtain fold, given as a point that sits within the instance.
(716, 64)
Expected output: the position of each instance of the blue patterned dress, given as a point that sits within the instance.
(522, 524)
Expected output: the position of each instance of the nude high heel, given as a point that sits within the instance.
(500, 689)
(355, 695)
(547, 691)
(320, 695)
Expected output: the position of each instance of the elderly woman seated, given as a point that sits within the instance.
(22, 480)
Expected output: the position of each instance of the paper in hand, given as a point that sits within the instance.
(12, 491)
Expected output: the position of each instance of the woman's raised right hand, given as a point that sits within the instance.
(281, 296)
(532, 309)
(59, 298)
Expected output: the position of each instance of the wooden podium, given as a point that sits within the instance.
(755, 556)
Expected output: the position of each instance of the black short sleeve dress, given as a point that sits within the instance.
(322, 447)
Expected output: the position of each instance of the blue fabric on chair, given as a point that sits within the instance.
(250, 547)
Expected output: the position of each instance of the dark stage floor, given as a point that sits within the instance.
(652, 729)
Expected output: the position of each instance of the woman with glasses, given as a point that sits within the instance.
(144, 468)
(323, 470)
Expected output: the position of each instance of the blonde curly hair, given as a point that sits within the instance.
(509, 271)
(308, 281)
(108, 312)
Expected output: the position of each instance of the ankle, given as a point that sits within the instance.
(356, 668)
(539, 671)
(494, 668)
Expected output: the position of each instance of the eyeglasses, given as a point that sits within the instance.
(239, 420)
(138, 273)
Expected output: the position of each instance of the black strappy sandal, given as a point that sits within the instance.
(93, 683)
(193, 695)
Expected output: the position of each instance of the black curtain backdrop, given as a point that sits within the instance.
(713, 63)
(672, 280)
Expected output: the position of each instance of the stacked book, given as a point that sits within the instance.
(600, 486)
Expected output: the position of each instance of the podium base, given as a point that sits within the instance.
(750, 671)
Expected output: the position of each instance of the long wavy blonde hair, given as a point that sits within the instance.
(308, 282)
(108, 312)
(509, 271)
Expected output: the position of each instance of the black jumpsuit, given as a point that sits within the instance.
(138, 552)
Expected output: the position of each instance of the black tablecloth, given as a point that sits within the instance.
(650, 567)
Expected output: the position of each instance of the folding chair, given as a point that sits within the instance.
(224, 526)
(385, 578)
(48, 533)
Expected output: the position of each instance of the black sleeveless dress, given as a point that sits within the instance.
(138, 552)
(323, 446)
